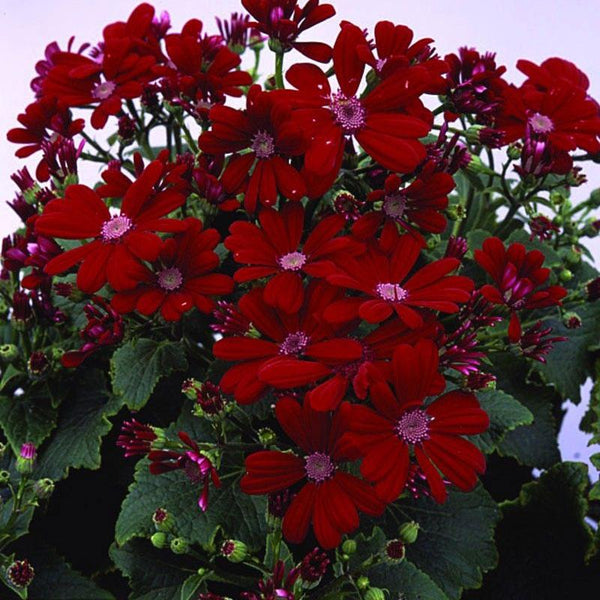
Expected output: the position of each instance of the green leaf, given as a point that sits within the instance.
(82, 422)
(179, 496)
(535, 445)
(54, 579)
(153, 573)
(405, 581)
(190, 587)
(543, 540)
(505, 412)
(455, 545)
(20, 526)
(26, 418)
(569, 363)
(475, 239)
(137, 366)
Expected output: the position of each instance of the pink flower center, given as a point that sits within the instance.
(292, 261)
(170, 279)
(319, 467)
(115, 228)
(391, 292)
(263, 145)
(394, 206)
(413, 426)
(349, 113)
(104, 90)
(541, 123)
(294, 344)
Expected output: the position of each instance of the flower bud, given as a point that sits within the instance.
(26, 459)
(179, 545)
(8, 353)
(362, 583)
(234, 551)
(159, 540)
(37, 364)
(557, 198)
(43, 488)
(266, 436)
(572, 320)
(375, 594)
(456, 212)
(162, 519)
(20, 573)
(3, 448)
(573, 256)
(395, 551)
(514, 151)
(4, 477)
(349, 546)
(565, 275)
(409, 532)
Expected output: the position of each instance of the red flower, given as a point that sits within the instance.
(202, 69)
(269, 130)
(283, 21)
(401, 423)
(304, 335)
(421, 203)
(382, 120)
(518, 274)
(119, 241)
(275, 249)
(181, 278)
(553, 71)
(329, 497)
(382, 276)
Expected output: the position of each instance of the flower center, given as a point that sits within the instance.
(391, 292)
(349, 113)
(319, 467)
(541, 123)
(294, 343)
(104, 90)
(263, 145)
(394, 206)
(413, 426)
(170, 279)
(292, 261)
(115, 228)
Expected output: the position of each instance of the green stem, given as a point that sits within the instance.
(279, 70)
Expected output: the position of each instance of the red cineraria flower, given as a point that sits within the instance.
(202, 68)
(382, 121)
(303, 334)
(119, 241)
(421, 203)
(553, 71)
(198, 467)
(269, 130)
(275, 249)
(329, 497)
(518, 274)
(382, 276)
(181, 278)
(401, 423)
(283, 21)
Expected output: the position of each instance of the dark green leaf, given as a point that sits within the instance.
(190, 587)
(404, 580)
(137, 366)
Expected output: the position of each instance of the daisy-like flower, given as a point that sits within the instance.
(305, 335)
(275, 250)
(182, 277)
(268, 128)
(117, 241)
(329, 497)
(519, 277)
(401, 427)
(382, 121)
(382, 275)
(421, 203)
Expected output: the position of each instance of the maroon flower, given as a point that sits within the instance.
(535, 342)
(20, 573)
(137, 438)
(314, 565)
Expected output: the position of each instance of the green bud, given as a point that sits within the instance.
(572, 320)
(4, 477)
(159, 540)
(565, 275)
(202, 571)
(26, 459)
(595, 198)
(349, 546)
(234, 551)
(409, 532)
(43, 488)
(3, 448)
(557, 198)
(456, 212)
(362, 583)
(476, 166)
(179, 545)
(275, 46)
(513, 151)
(162, 519)
(375, 594)
(8, 353)
(558, 220)
(573, 256)
(266, 436)
(433, 241)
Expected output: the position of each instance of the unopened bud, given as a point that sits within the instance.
(37, 364)
(557, 198)
(179, 545)
(573, 256)
(162, 519)
(409, 532)
(456, 212)
(514, 151)
(3, 448)
(572, 320)
(395, 551)
(20, 573)
(26, 459)
(8, 353)
(4, 477)
(159, 540)
(43, 488)
(375, 594)
(565, 275)
(266, 436)
(234, 551)
(349, 546)
(362, 583)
